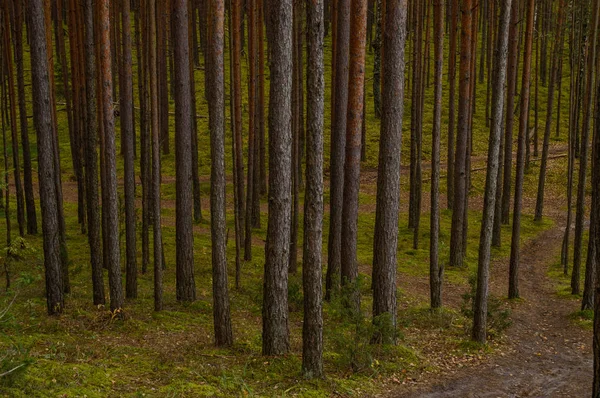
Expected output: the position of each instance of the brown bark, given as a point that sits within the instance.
(275, 303)
(113, 252)
(338, 148)
(184, 237)
(388, 177)
(312, 328)
(128, 133)
(356, 75)
(215, 53)
(43, 124)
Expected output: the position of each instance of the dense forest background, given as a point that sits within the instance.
(286, 197)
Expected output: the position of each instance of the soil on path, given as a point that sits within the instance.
(547, 355)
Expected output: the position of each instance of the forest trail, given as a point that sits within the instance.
(546, 354)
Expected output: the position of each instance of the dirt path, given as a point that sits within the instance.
(547, 356)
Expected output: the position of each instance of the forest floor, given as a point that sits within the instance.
(545, 354)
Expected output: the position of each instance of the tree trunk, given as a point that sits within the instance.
(113, 253)
(215, 53)
(13, 122)
(450, 180)
(512, 73)
(27, 175)
(388, 176)
(42, 116)
(312, 328)
(513, 282)
(485, 240)
(251, 127)
(558, 44)
(236, 9)
(186, 286)
(435, 270)
(338, 148)
(155, 190)
(460, 171)
(583, 154)
(128, 132)
(596, 242)
(356, 75)
(275, 303)
(91, 157)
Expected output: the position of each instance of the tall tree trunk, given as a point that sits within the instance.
(113, 253)
(485, 240)
(596, 242)
(236, 9)
(275, 303)
(435, 269)
(388, 176)
(42, 116)
(460, 172)
(91, 157)
(356, 75)
(184, 236)
(512, 73)
(416, 122)
(155, 190)
(215, 53)
(338, 148)
(513, 282)
(261, 99)
(558, 44)
(376, 45)
(583, 158)
(13, 121)
(450, 177)
(312, 327)
(251, 126)
(197, 200)
(27, 175)
(127, 130)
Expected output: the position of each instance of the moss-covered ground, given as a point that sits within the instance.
(85, 352)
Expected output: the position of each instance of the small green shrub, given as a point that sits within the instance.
(498, 315)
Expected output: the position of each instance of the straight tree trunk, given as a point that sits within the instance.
(583, 154)
(596, 242)
(435, 269)
(513, 282)
(376, 45)
(184, 236)
(27, 175)
(251, 126)
(155, 190)
(338, 148)
(261, 100)
(127, 130)
(460, 172)
(312, 327)
(512, 73)
(236, 10)
(13, 121)
(275, 291)
(113, 253)
(215, 48)
(558, 44)
(356, 75)
(479, 333)
(42, 116)
(91, 157)
(450, 178)
(388, 176)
